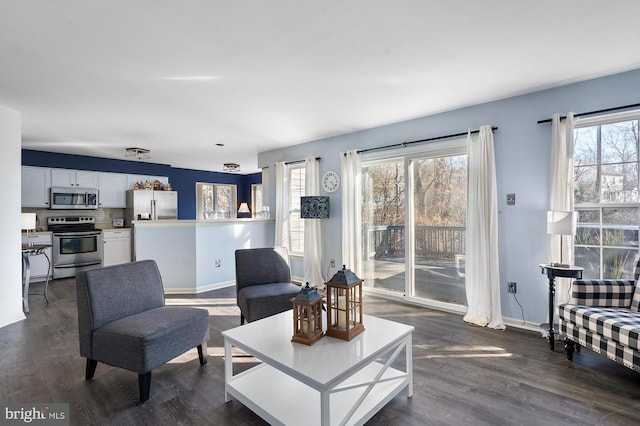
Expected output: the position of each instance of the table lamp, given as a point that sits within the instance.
(27, 223)
(561, 223)
(243, 210)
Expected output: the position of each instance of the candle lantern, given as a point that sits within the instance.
(344, 305)
(307, 316)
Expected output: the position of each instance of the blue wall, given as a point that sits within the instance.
(522, 154)
(182, 180)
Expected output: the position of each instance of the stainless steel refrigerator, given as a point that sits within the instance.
(151, 205)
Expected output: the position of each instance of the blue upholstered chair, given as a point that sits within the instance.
(263, 282)
(123, 322)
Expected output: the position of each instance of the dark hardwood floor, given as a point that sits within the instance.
(463, 375)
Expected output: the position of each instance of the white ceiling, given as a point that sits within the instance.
(93, 77)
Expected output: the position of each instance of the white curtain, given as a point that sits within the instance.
(482, 267)
(561, 195)
(282, 205)
(313, 247)
(351, 219)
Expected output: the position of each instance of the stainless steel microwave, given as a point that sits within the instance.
(73, 198)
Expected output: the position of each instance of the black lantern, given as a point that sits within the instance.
(307, 316)
(344, 305)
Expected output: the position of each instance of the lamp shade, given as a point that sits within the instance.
(561, 222)
(314, 207)
(244, 208)
(28, 221)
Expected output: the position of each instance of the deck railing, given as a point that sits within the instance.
(438, 241)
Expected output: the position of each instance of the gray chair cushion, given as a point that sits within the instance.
(260, 301)
(144, 341)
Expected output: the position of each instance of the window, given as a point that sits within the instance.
(606, 196)
(296, 224)
(257, 205)
(216, 201)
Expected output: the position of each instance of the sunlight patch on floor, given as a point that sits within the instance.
(461, 351)
(200, 302)
(376, 310)
(215, 307)
(239, 356)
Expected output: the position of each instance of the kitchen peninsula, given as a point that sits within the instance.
(196, 256)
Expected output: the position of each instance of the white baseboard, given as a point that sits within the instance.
(10, 319)
(518, 323)
(200, 289)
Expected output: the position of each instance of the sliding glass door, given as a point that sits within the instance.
(414, 211)
(438, 223)
(383, 207)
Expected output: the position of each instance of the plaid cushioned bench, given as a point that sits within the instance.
(604, 316)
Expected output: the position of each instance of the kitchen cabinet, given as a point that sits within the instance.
(117, 246)
(112, 190)
(35, 186)
(40, 268)
(68, 178)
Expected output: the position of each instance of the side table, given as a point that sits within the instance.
(553, 272)
(32, 250)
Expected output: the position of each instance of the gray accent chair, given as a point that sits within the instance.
(123, 322)
(263, 282)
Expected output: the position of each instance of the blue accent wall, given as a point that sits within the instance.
(182, 180)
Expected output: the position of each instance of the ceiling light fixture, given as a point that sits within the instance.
(231, 167)
(139, 153)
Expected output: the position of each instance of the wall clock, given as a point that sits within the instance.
(330, 181)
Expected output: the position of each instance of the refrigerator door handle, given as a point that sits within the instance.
(153, 210)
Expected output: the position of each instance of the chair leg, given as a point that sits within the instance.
(144, 385)
(202, 353)
(241, 319)
(569, 346)
(90, 370)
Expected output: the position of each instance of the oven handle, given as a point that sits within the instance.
(77, 234)
(74, 265)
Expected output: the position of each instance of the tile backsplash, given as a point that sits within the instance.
(104, 217)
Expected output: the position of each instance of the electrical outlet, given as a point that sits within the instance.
(512, 287)
(332, 263)
(218, 263)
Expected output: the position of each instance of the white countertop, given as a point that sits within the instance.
(189, 222)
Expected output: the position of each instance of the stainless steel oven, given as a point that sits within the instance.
(77, 245)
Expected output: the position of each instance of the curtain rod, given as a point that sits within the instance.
(435, 138)
(300, 161)
(600, 111)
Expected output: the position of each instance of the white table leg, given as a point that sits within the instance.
(409, 352)
(228, 368)
(325, 415)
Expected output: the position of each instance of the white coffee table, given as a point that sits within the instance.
(332, 382)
